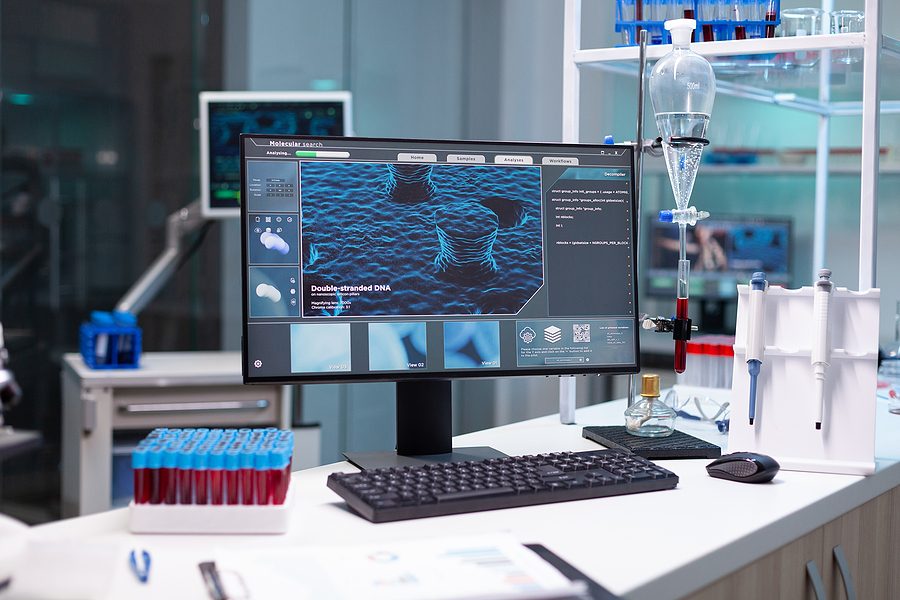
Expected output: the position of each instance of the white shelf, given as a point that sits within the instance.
(595, 57)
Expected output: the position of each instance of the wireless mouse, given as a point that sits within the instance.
(747, 467)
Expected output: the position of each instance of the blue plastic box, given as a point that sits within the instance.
(110, 341)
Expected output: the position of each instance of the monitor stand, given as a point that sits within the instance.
(424, 430)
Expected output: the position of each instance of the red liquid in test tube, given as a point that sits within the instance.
(232, 476)
(201, 476)
(168, 478)
(216, 477)
(247, 476)
(263, 476)
(681, 346)
(185, 476)
(154, 466)
(141, 476)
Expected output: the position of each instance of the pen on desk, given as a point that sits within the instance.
(756, 343)
(141, 571)
(820, 356)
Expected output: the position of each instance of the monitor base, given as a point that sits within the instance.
(377, 460)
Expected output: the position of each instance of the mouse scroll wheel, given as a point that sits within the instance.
(741, 468)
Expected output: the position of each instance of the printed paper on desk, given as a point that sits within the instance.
(485, 567)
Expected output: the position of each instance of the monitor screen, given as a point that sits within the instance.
(225, 115)
(415, 260)
(724, 250)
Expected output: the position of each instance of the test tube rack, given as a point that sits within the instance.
(784, 426)
(720, 29)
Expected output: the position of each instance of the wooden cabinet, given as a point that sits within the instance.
(868, 536)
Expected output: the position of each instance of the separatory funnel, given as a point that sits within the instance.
(682, 90)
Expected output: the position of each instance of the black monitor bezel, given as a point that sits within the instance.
(397, 376)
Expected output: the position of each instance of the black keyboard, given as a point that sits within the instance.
(398, 493)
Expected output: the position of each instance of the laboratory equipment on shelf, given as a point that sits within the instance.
(682, 91)
(756, 341)
(650, 416)
(820, 356)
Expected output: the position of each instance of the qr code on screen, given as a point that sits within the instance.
(582, 332)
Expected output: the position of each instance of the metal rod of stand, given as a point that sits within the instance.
(639, 164)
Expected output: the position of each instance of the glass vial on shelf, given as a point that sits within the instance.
(650, 416)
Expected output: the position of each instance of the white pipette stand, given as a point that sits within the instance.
(787, 404)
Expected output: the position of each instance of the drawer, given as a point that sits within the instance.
(196, 406)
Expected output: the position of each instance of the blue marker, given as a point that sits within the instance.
(756, 343)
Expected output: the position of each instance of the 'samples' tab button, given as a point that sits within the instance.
(465, 158)
(559, 160)
(416, 157)
(502, 159)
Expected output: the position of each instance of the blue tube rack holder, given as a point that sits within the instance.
(110, 340)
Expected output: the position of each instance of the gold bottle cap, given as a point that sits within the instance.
(650, 385)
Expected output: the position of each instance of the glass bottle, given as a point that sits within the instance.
(650, 416)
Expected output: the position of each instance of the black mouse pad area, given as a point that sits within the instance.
(677, 445)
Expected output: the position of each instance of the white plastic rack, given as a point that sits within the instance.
(875, 47)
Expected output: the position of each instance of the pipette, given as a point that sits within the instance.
(820, 357)
(756, 342)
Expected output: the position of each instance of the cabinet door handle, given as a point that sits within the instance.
(845, 572)
(183, 406)
(818, 586)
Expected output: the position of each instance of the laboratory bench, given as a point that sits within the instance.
(707, 538)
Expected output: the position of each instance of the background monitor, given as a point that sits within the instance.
(225, 115)
(724, 250)
(421, 261)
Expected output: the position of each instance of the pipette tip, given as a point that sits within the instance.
(818, 425)
(751, 421)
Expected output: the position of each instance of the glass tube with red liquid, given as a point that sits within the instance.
(185, 475)
(232, 475)
(201, 476)
(263, 476)
(279, 466)
(168, 480)
(681, 301)
(247, 475)
(141, 475)
(217, 476)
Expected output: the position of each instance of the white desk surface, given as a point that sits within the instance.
(163, 369)
(653, 545)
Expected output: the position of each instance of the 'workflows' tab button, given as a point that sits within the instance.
(502, 159)
(416, 157)
(559, 160)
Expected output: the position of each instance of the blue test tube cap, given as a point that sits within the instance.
(246, 430)
(280, 458)
(170, 457)
(608, 140)
(247, 457)
(666, 216)
(232, 459)
(217, 459)
(261, 459)
(124, 318)
(186, 458)
(139, 457)
(102, 318)
(155, 456)
(201, 459)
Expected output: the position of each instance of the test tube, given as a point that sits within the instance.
(232, 475)
(247, 474)
(263, 476)
(185, 472)
(154, 466)
(141, 475)
(201, 475)
(216, 472)
(771, 15)
(168, 479)
(281, 475)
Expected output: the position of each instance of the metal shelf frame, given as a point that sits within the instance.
(875, 46)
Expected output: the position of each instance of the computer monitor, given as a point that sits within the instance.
(724, 250)
(419, 262)
(225, 115)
